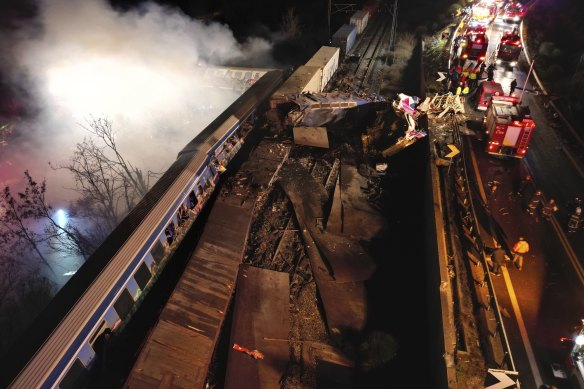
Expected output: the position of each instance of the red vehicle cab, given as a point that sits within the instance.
(509, 128)
(509, 49)
(513, 13)
(485, 93)
(475, 47)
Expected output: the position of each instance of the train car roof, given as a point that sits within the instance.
(23, 350)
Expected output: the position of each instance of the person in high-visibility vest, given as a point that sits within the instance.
(465, 90)
(520, 248)
(472, 78)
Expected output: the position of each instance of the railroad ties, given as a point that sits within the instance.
(179, 349)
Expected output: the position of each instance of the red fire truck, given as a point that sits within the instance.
(483, 13)
(513, 13)
(509, 49)
(475, 47)
(509, 127)
(484, 94)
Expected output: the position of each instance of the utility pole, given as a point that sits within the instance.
(329, 18)
(393, 32)
(526, 79)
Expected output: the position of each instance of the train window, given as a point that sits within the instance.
(158, 251)
(111, 317)
(149, 261)
(142, 275)
(75, 376)
(102, 326)
(133, 288)
(124, 304)
(192, 200)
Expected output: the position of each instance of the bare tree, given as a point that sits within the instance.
(5, 131)
(63, 238)
(15, 218)
(109, 185)
(290, 25)
(10, 269)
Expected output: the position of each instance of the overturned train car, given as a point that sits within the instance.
(58, 349)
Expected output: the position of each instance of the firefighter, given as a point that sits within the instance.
(525, 184)
(574, 220)
(493, 186)
(472, 77)
(482, 70)
(549, 209)
(465, 91)
(465, 73)
(520, 248)
(491, 72)
(512, 87)
(498, 259)
(535, 202)
(459, 89)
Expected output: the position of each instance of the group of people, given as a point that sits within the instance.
(462, 78)
(537, 205)
(499, 256)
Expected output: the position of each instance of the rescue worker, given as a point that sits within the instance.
(549, 209)
(455, 81)
(472, 78)
(525, 183)
(512, 87)
(491, 72)
(459, 89)
(465, 90)
(482, 70)
(535, 202)
(464, 74)
(498, 259)
(493, 186)
(573, 204)
(520, 248)
(574, 220)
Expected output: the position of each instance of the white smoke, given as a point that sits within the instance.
(135, 68)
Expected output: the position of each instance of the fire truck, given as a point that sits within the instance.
(513, 13)
(509, 49)
(573, 367)
(509, 127)
(475, 47)
(483, 13)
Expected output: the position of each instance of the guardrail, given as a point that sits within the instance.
(499, 354)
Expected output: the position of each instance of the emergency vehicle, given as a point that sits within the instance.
(513, 13)
(509, 127)
(574, 363)
(509, 49)
(484, 94)
(483, 13)
(475, 47)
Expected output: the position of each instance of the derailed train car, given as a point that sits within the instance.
(58, 349)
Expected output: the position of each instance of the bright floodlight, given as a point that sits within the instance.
(61, 216)
(580, 340)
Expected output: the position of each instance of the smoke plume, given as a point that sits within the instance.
(136, 68)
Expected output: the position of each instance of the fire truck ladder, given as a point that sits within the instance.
(524, 138)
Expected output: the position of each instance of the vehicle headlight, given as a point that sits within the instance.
(498, 62)
(514, 63)
(516, 18)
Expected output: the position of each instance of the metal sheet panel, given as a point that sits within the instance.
(311, 136)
